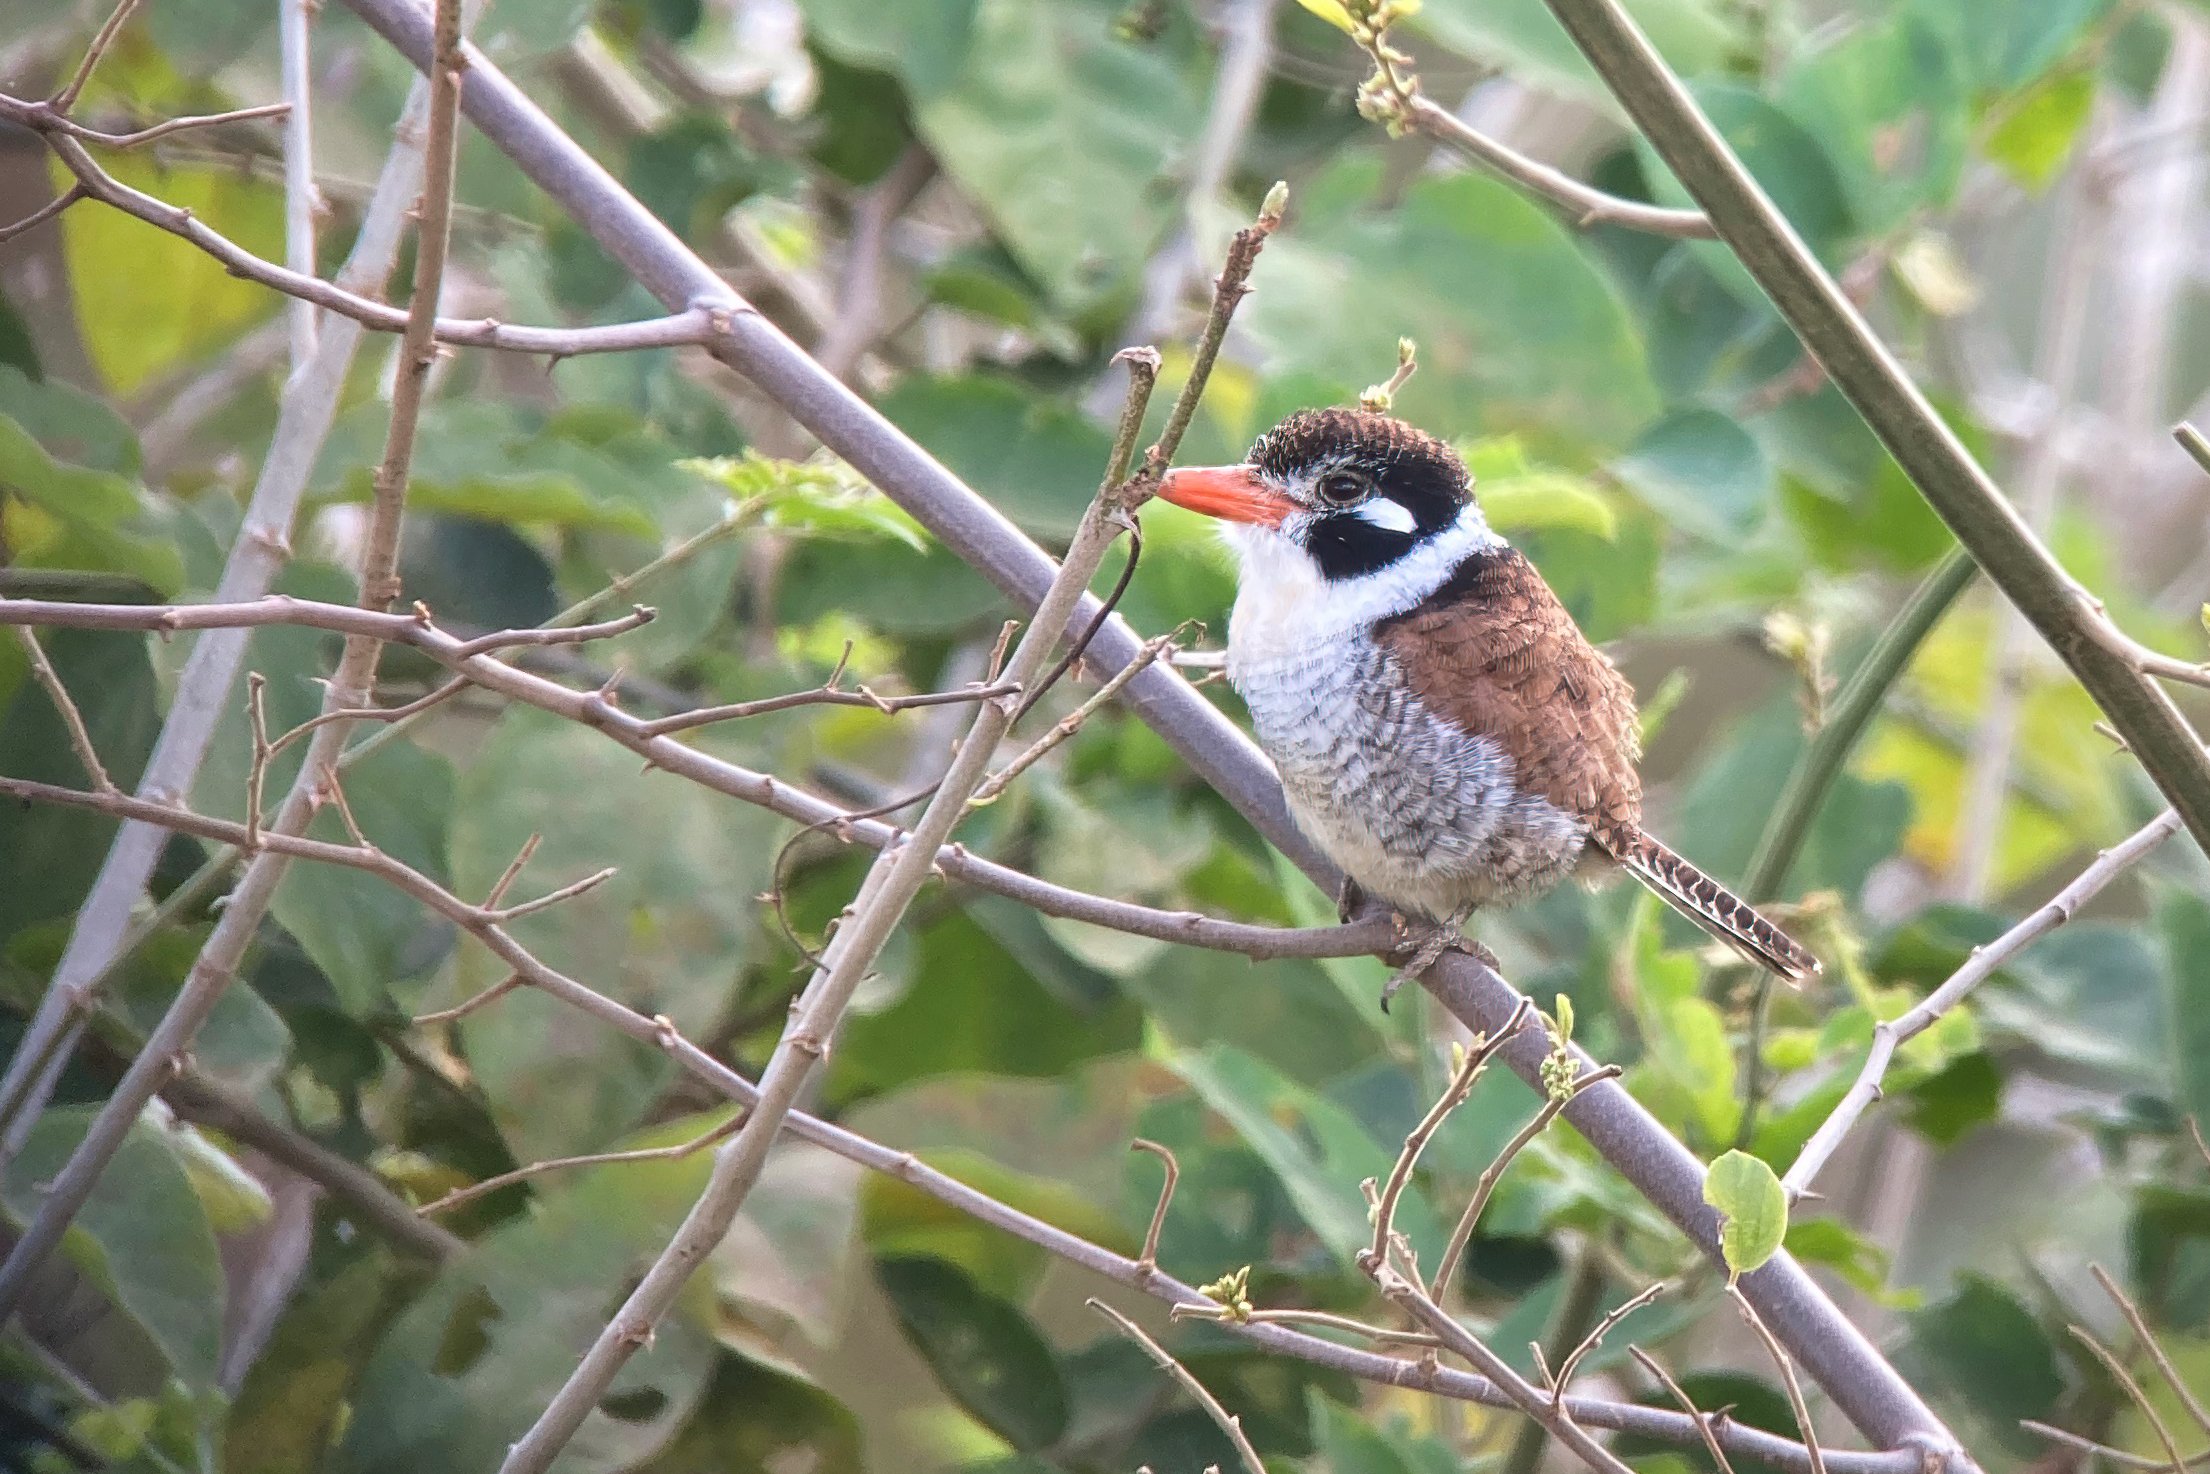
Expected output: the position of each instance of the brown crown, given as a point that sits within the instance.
(1380, 442)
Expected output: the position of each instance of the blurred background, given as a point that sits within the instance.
(964, 207)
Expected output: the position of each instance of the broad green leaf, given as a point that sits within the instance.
(484, 460)
(1331, 11)
(149, 302)
(1753, 1211)
(2004, 46)
(468, 1365)
(1985, 1348)
(142, 1238)
(2184, 922)
(63, 515)
(72, 425)
(667, 934)
(2035, 130)
(1037, 459)
(985, 1353)
(1890, 102)
(1045, 81)
(49, 854)
(233, 1198)
(759, 1419)
(1693, 35)
(974, 1008)
(924, 42)
(1518, 327)
(1703, 473)
(808, 497)
(1857, 1259)
(1318, 1150)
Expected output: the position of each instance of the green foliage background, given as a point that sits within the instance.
(1641, 425)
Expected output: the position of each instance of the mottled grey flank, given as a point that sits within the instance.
(1420, 814)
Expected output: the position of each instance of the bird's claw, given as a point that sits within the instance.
(1442, 936)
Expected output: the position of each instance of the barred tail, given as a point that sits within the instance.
(1714, 908)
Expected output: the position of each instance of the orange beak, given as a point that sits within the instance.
(1231, 493)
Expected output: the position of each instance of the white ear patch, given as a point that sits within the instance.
(1385, 514)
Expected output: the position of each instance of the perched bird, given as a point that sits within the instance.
(1444, 731)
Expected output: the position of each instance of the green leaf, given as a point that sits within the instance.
(1890, 102)
(2040, 125)
(1753, 1211)
(1318, 1150)
(1519, 328)
(1037, 459)
(61, 515)
(48, 854)
(983, 1350)
(809, 498)
(487, 461)
(233, 1198)
(1331, 11)
(149, 302)
(1701, 472)
(142, 1238)
(924, 42)
(1043, 82)
(1985, 1348)
(758, 1419)
(667, 934)
(2184, 923)
(1521, 35)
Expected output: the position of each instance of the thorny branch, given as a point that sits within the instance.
(891, 885)
(1366, 937)
(1392, 98)
(1890, 1035)
(696, 325)
(1863, 1384)
(1228, 1422)
(1268, 1329)
(350, 685)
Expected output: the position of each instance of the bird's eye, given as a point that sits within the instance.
(1344, 488)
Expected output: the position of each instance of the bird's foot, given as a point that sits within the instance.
(1440, 937)
(1350, 899)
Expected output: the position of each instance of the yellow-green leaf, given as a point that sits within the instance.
(1331, 11)
(1753, 1210)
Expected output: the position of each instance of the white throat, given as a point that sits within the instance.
(1283, 606)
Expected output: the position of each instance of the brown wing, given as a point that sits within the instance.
(1494, 651)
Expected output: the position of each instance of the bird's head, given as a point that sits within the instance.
(1353, 493)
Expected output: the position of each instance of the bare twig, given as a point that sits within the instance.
(302, 204)
(567, 892)
(1268, 1329)
(112, 27)
(1229, 1423)
(692, 326)
(1889, 1035)
(1149, 1255)
(2173, 1460)
(1375, 935)
(1462, 1081)
(826, 694)
(308, 407)
(363, 1195)
(672, 1153)
(2124, 1458)
(1378, 1335)
(1392, 97)
(1073, 721)
(891, 885)
(1557, 1418)
(1954, 483)
(257, 769)
(1788, 1379)
(1595, 1338)
(1462, 1235)
(43, 213)
(226, 945)
(80, 740)
(467, 1005)
(2153, 1347)
(1687, 1405)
